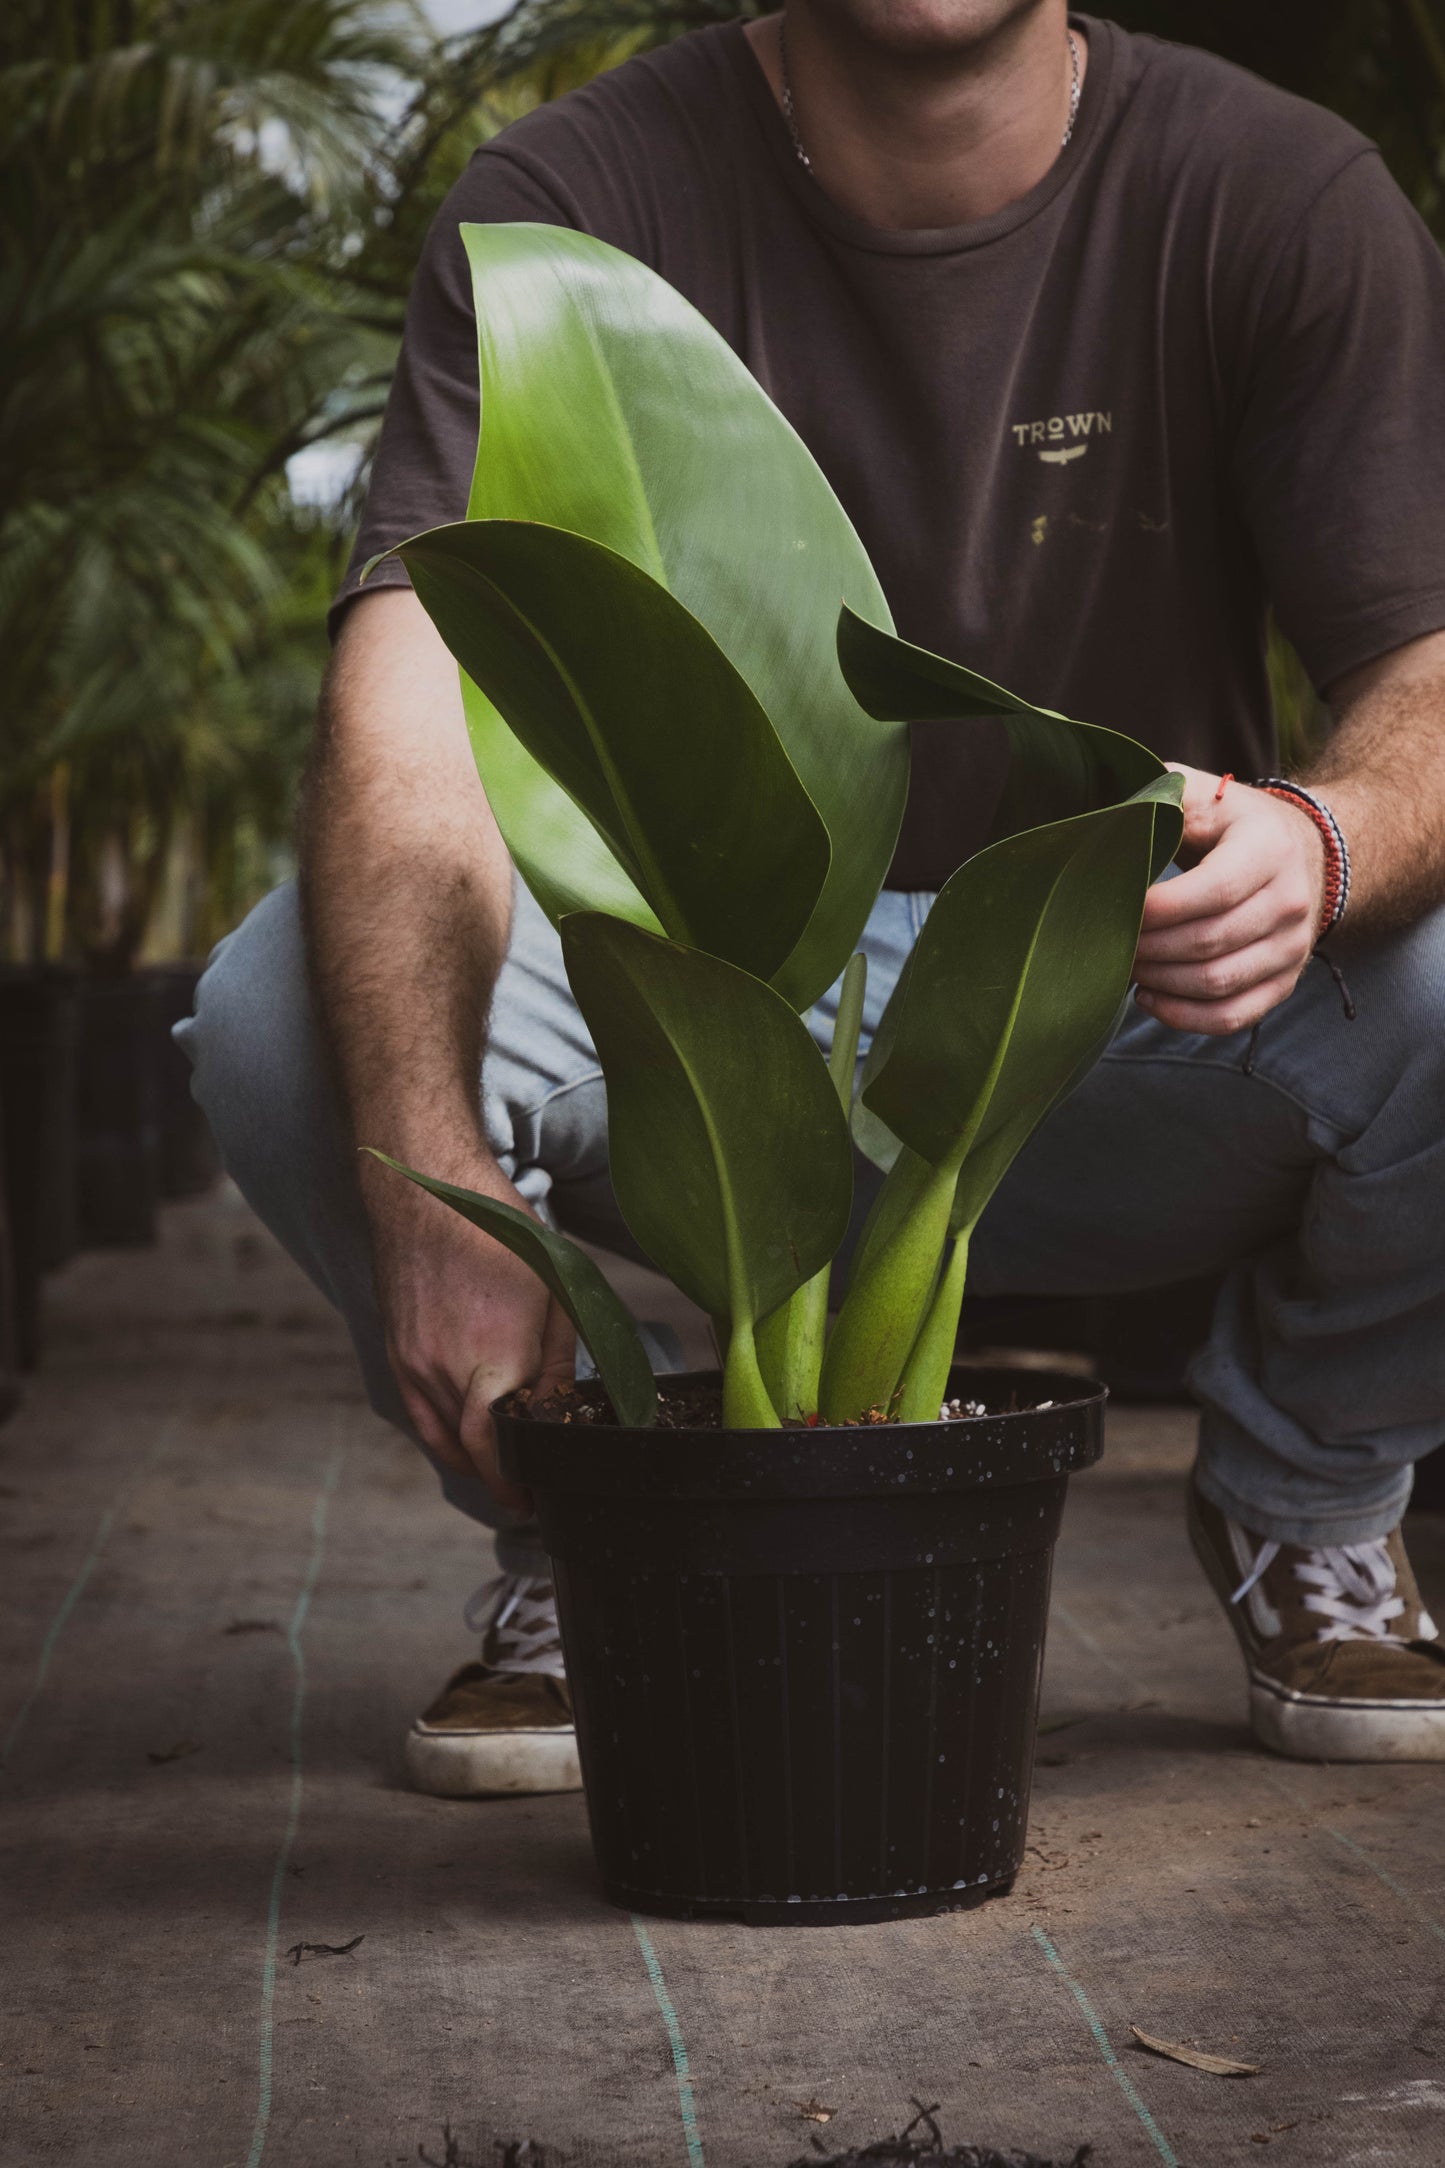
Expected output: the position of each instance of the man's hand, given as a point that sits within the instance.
(465, 1320)
(1226, 942)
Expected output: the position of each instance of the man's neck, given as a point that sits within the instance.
(905, 142)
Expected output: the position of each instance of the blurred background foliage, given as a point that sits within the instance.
(209, 214)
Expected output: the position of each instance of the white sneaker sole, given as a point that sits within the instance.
(1319, 1727)
(492, 1764)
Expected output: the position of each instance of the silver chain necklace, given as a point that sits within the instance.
(791, 117)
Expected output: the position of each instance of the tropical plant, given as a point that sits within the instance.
(700, 766)
(183, 184)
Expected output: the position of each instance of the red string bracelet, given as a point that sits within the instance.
(1337, 856)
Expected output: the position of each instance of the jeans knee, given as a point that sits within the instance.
(252, 1042)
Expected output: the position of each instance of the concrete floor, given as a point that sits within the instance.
(227, 1590)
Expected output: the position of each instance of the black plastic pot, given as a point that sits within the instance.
(806, 1664)
(38, 1029)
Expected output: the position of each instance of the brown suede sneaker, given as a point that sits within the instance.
(1344, 1661)
(503, 1725)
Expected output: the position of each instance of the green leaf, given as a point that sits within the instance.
(892, 1285)
(630, 704)
(1016, 976)
(602, 1321)
(1057, 767)
(729, 1150)
(554, 846)
(996, 1146)
(925, 1374)
(790, 1341)
(610, 407)
(874, 1139)
(1012, 986)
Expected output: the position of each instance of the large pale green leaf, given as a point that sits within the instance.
(729, 1149)
(612, 408)
(568, 1272)
(632, 707)
(1057, 767)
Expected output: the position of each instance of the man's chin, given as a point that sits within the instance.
(922, 29)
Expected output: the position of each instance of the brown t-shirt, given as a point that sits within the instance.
(1198, 369)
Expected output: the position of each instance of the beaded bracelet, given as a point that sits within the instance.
(1337, 855)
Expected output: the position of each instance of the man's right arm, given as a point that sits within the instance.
(407, 888)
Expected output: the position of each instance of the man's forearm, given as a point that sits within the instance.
(1383, 775)
(406, 886)
(407, 889)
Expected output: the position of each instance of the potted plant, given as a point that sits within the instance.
(691, 715)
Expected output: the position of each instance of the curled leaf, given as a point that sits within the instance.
(1217, 2066)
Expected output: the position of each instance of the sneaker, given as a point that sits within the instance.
(1344, 1661)
(503, 1725)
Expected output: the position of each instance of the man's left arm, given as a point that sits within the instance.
(1226, 941)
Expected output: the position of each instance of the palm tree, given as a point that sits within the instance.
(178, 185)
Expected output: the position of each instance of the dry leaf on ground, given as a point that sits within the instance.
(1218, 2066)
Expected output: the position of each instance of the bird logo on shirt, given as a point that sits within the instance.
(1061, 438)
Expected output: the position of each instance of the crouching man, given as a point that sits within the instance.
(1107, 348)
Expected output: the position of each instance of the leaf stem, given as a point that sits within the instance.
(889, 1298)
(925, 1374)
(843, 1055)
(791, 1340)
(747, 1403)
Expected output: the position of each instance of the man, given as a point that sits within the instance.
(1105, 347)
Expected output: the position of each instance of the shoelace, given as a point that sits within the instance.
(1351, 1586)
(521, 1616)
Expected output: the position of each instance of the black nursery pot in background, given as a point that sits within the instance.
(805, 1664)
(117, 1114)
(38, 1041)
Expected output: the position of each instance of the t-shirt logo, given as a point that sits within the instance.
(1061, 437)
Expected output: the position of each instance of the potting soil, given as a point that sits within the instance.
(928, 2150)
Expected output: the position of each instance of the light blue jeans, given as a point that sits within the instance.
(1316, 1184)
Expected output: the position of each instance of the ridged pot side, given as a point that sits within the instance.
(805, 1664)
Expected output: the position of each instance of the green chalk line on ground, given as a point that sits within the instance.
(104, 1529)
(1117, 2071)
(293, 1817)
(675, 2041)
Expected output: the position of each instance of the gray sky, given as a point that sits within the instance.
(452, 16)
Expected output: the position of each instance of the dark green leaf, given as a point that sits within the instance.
(629, 703)
(1057, 767)
(729, 1150)
(569, 1273)
(1017, 974)
(1012, 986)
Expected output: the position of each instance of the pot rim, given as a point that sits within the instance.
(970, 1452)
(1083, 1393)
